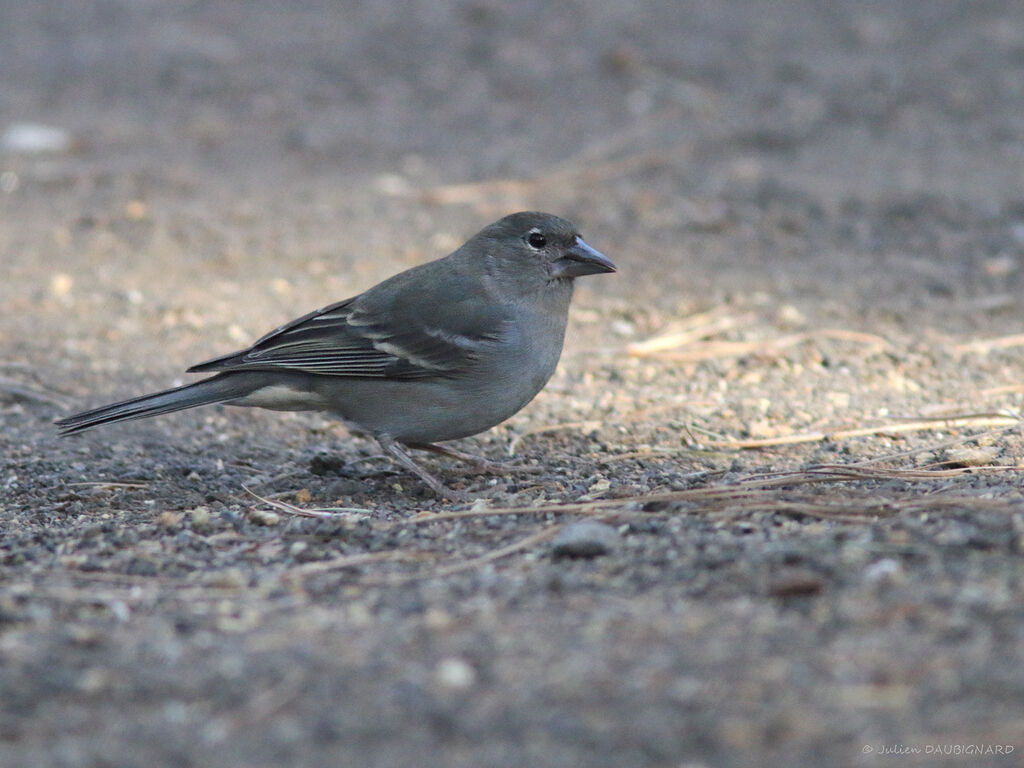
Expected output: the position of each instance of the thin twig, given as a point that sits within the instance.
(692, 351)
(754, 487)
(687, 331)
(899, 427)
(106, 484)
(936, 446)
(291, 509)
(984, 346)
(27, 392)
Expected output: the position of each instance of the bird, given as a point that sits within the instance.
(439, 352)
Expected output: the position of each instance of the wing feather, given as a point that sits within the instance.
(425, 322)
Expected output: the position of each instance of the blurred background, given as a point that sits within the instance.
(817, 216)
(714, 147)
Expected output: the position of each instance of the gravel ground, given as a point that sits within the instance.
(773, 514)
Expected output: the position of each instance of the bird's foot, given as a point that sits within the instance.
(401, 457)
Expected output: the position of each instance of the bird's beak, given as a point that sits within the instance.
(580, 259)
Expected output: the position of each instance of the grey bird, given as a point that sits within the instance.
(441, 351)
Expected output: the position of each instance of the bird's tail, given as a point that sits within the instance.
(217, 389)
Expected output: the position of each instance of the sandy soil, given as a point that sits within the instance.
(794, 408)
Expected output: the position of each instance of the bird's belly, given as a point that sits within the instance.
(421, 411)
(499, 383)
(282, 397)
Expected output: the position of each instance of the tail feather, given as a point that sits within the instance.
(218, 389)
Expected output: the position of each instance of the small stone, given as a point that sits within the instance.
(1000, 266)
(230, 578)
(455, 674)
(623, 328)
(392, 184)
(264, 517)
(135, 210)
(787, 314)
(142, 566)
(200, 517)
(168, 519)
(795, 582)
(34, 138)
(322, 464)
(585, 538)
(84, 636)
(61, 284)
(94, 680)
(971, 457)
(885, 571)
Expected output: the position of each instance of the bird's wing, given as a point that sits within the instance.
(421, 323)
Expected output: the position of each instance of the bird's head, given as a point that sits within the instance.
(538, 247)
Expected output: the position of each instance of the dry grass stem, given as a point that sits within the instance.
(757, 492)
(24, 391)
(984, 346)
(691, 351)
(687, 331)
(292, 509)
(1010, 389)
(890, 428)
(106, 484)
(935, 446)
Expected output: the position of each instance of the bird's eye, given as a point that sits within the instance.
(536, 240)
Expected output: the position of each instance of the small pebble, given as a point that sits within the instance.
(168, 519)
(264, 517)
(585, 538)
(795, 582)
(229, 578)
(33, 138)
(61, 284)
(885, 571)
(455, 674)
(971, 457)
(200, 519)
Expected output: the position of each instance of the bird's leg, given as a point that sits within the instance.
(398, 453)
(479, 463)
